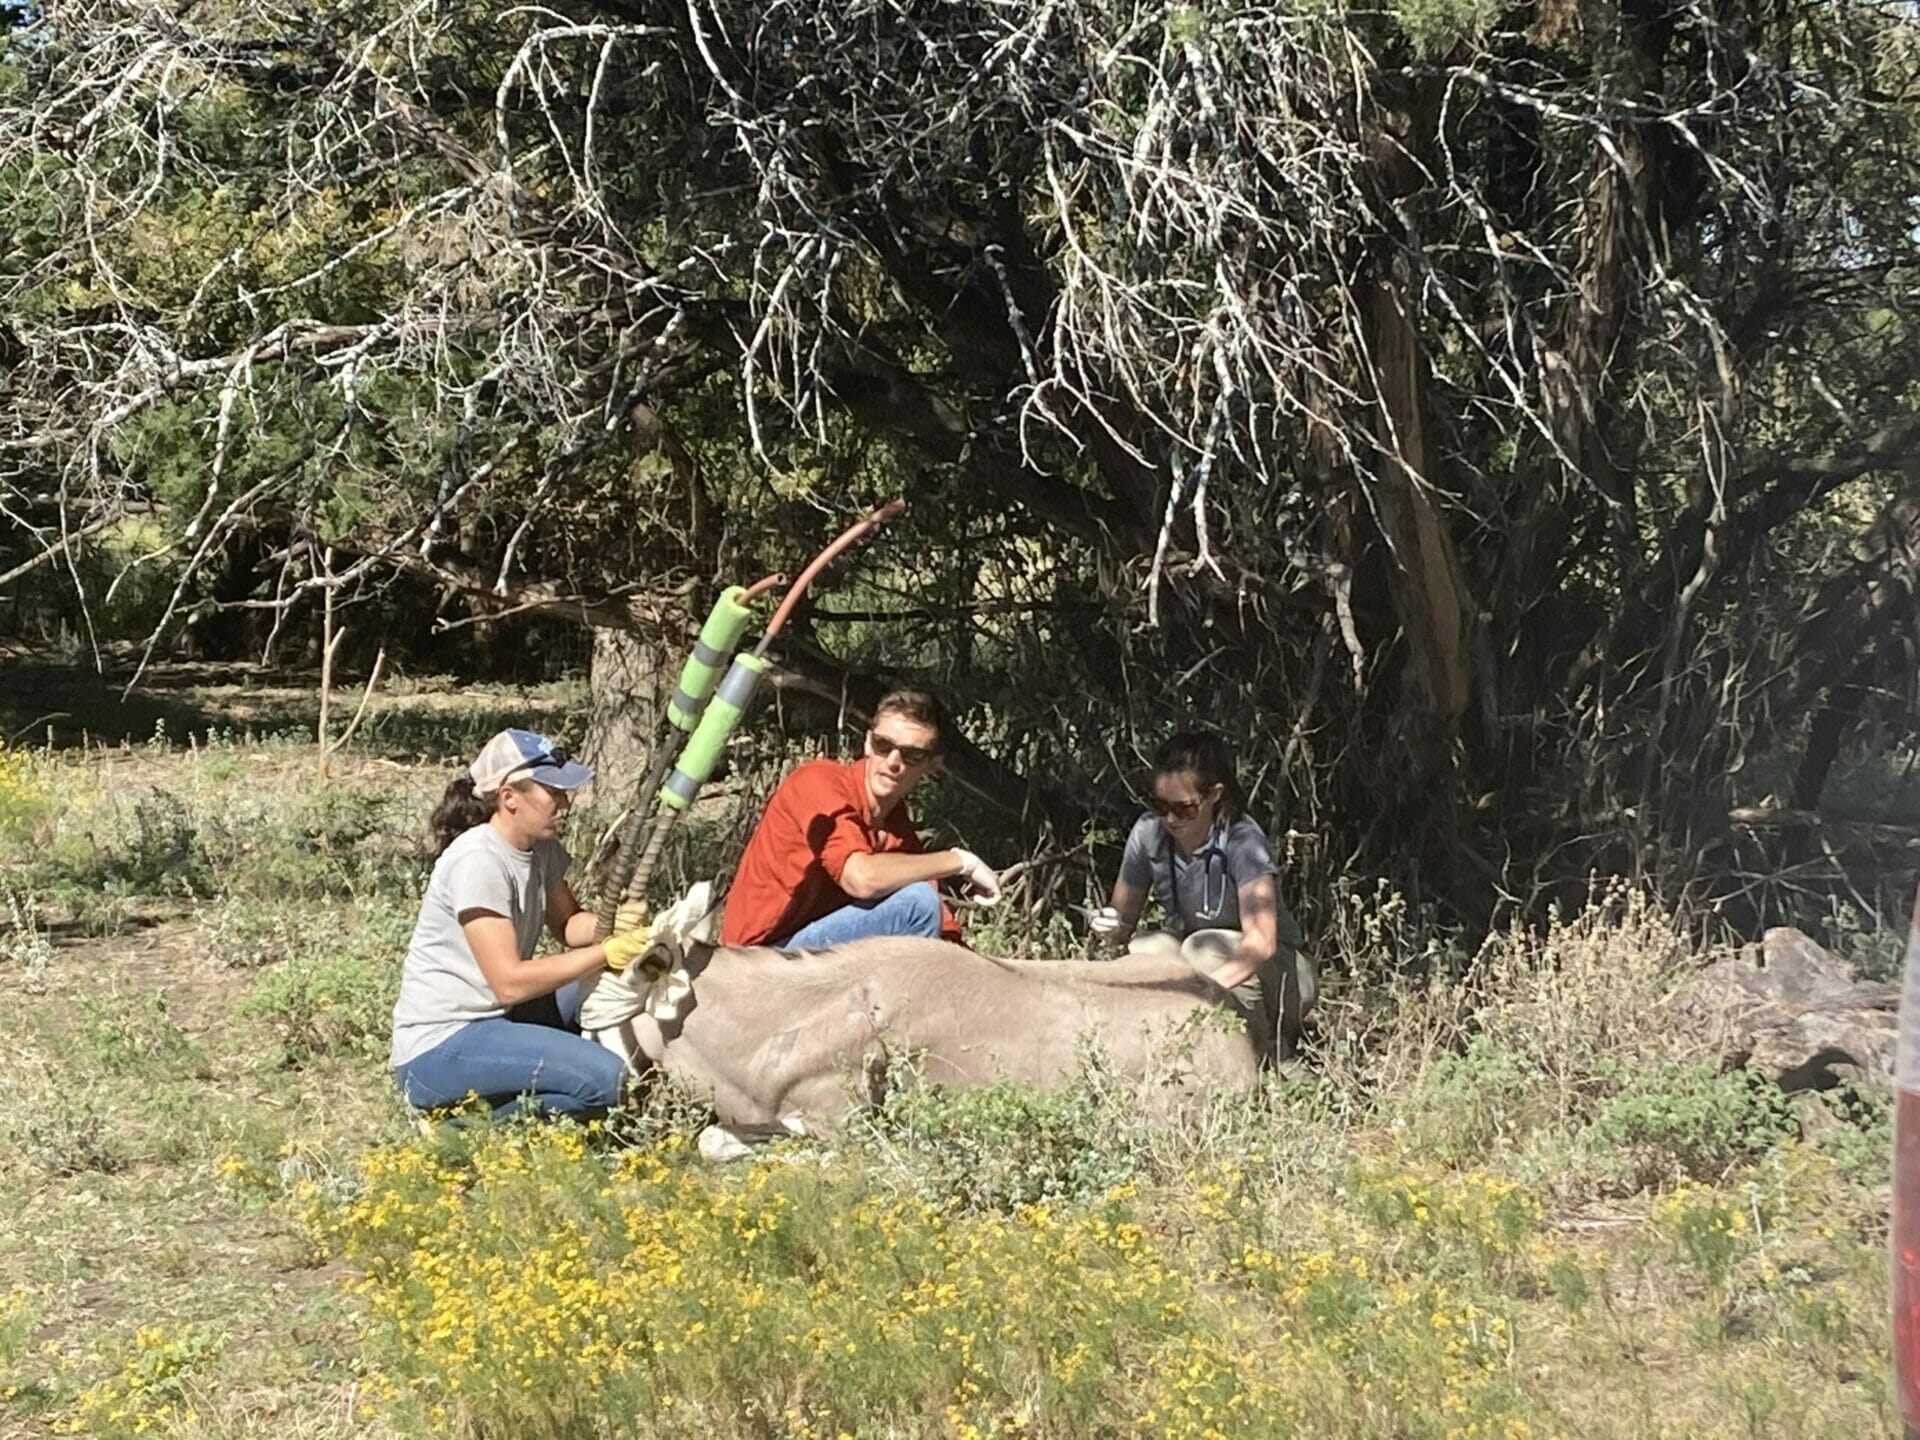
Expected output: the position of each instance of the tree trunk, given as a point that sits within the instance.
(628, 685)
(1429, 592)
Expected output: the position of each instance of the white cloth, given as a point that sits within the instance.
(657, 984)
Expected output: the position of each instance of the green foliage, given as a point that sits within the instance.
(281, 215)
(1569, 1284)
(1002, 1145)
(249, 933)
(67, 1131)
(158, 851)
(800, 1297)
(1708, 1231)
(1876, 946)
(329, 1005)
(1435, 26)
(24, 806)
(1470, 1105)
(1856, 1133)
(1383, 1247)
(317, 843)
(18, 1320)
(1483, 1221)
(23, 937)
(136, 1037)
(150, 1387)
(1185, 23)
(1680, 1121)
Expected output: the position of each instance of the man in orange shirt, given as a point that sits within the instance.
(835, 857)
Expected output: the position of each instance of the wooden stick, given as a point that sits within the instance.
(373, 679)
(329, 643)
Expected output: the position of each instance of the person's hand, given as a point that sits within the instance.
(633, 915)
(1104, 923)
(623, 947)
(983, 885)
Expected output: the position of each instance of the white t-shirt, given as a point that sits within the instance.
(441, 987)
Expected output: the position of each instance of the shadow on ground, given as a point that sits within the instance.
(44, 702)
(66, 704)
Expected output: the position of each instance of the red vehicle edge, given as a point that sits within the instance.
(1906, 1193)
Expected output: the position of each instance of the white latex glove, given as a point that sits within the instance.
(983, 885)
(1104, 922)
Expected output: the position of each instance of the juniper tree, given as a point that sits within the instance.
(1497, 414)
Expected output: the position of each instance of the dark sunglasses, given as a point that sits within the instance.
(909, 754)
(1175, 809)
(555, 755)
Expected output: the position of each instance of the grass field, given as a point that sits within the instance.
(1528, 1207)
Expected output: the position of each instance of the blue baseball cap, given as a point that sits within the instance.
(523, 755)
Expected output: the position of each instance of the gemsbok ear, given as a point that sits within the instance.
(691, 920)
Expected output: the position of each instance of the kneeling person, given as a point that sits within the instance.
(1213, 872)
(478, 1011)
(835, 856)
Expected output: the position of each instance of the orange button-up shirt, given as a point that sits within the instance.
(818, 818)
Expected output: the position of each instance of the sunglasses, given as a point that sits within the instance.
(548, 754)
(909, 754)
(1175, 809)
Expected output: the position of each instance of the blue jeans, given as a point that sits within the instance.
(511, 1065)
(911, 910)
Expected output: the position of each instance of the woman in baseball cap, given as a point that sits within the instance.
(477, 1013)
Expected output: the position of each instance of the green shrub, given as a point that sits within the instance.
(531, 1283)
(246, 933)
(1003, 1145)
(1473, 1222)
(1856, 1132)
(327, 1005)
(136, 1037)
(1435, 26)
(63, 1131)
(24, 804)
(1690, 1121)
(264, 843)
(150, 1389)
(1467, 1105)
(316, 844)
(1705, 1230)
(23, 939)
(159, 852)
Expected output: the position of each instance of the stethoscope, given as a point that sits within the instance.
(1212, 856)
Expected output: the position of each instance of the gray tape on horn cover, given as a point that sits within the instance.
(739, 685)
(683, 786)
(707, 655)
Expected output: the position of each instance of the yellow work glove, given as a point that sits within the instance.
(633, 915)
(629, 940)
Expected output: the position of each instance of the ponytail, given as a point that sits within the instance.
(459, 811)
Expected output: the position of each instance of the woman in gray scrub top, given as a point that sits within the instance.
(1212, 871)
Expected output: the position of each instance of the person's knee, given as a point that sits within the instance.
(606, 1079)
(590, 1076)
(918, 908)
(1156, 945)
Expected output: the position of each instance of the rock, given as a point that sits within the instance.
(1796, 1011)
(720, 1146)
